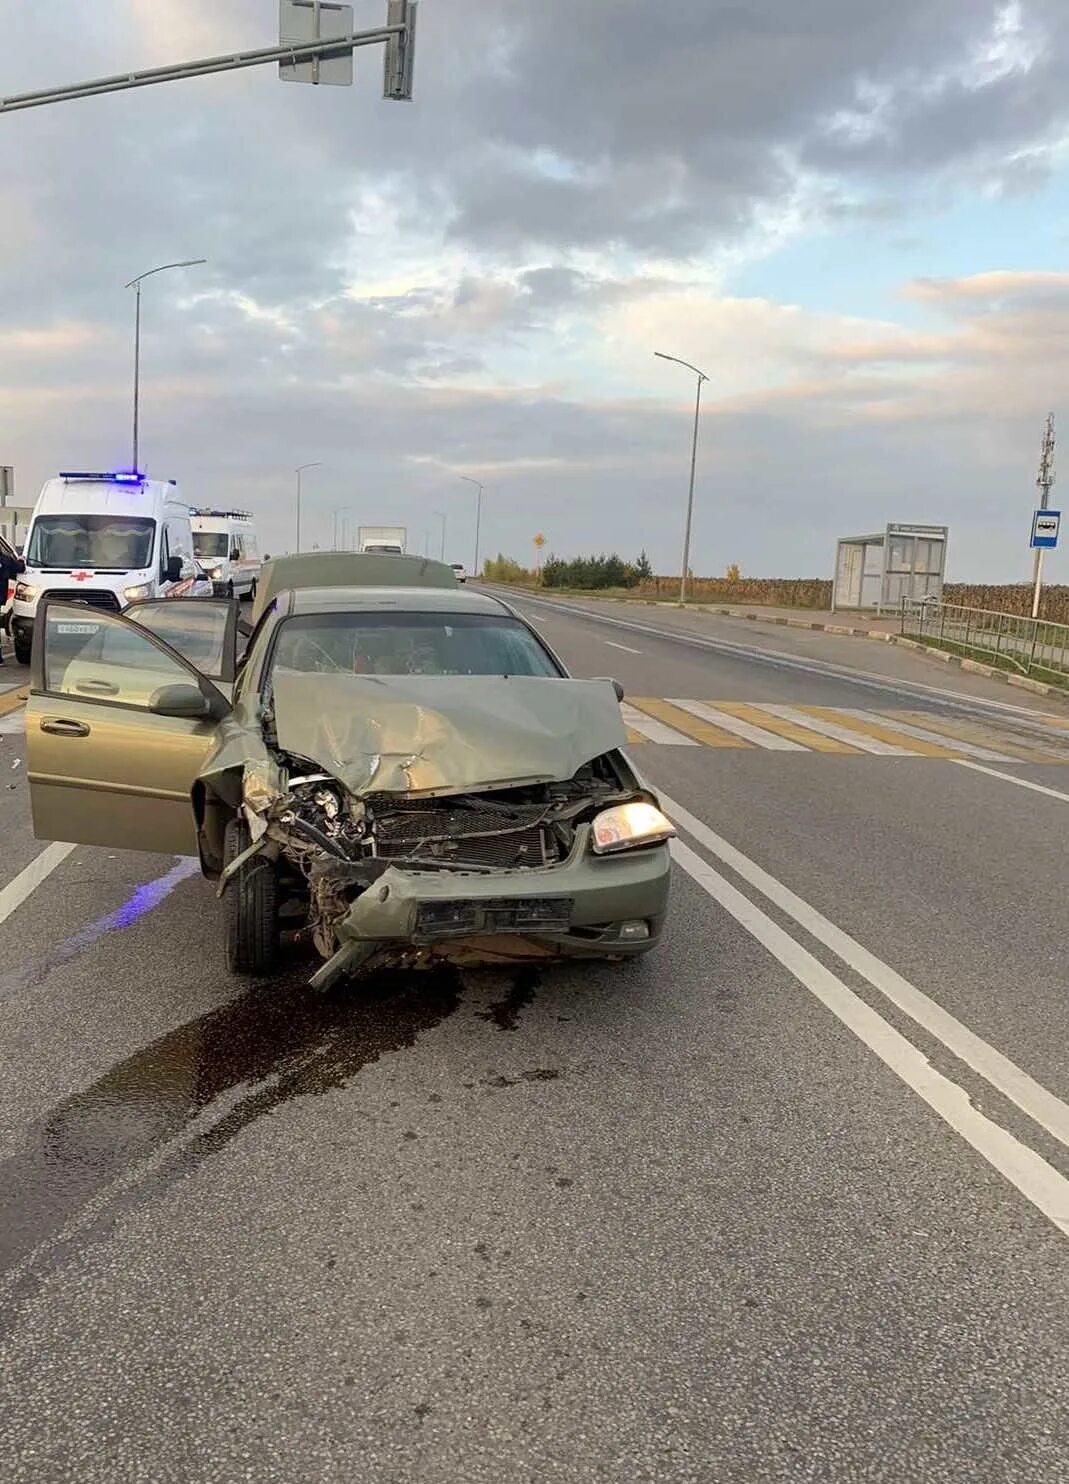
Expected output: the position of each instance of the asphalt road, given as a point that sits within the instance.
(788, 1200)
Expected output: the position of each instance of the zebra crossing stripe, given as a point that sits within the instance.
(811, 718)
(653, 731)
(675, 715)
(758, 736)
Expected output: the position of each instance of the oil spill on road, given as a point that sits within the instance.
(248, 1057)
(505, 1013)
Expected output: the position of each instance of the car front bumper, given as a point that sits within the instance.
(575, 909)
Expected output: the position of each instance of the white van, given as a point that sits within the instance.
(225, 544)
(106, 540)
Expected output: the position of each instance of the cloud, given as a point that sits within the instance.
(476, 281)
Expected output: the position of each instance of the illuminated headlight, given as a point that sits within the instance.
(135, 594)
(628, 825)
(25, 592)
(258, 793)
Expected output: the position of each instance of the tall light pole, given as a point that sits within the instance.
(441, 516)
(693, 465)
(478, 517)
(135, 284)
(318, 464)
(341, 510)
(1044, 480)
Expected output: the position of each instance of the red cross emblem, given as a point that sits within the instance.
(81, 576)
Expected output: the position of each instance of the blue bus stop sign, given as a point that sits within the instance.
(1046, 525)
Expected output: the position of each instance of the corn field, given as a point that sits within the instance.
(815, 592)
(778, 592)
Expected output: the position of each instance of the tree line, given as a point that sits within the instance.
(592, 573)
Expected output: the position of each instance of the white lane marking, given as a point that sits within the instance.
(654, 731)
(779, 658)
(1039, 788)
(30, 877)
(739, 728)
(1004, 1075)
(952, 744)
(625, 647)
(1037, 1181)
(832, 729)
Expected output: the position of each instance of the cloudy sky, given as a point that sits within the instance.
(853, 215)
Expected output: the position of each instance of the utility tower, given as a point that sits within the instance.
(1044, 481)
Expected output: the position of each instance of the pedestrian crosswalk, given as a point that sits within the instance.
(846, 731)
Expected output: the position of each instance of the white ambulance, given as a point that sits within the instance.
(106, 540)
(225, 544)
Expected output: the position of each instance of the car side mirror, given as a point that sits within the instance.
(617, 687)
(180, 700)
(174, 569)
(235, 555)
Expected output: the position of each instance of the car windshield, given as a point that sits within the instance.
(117, 543)
(210, 544)
(410, 644)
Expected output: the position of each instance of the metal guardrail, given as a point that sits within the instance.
(1028, 645)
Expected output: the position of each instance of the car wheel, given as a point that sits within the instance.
(230, 590)
(252, 590)
(251, 906)
(23, 647)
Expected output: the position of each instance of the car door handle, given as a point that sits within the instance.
(60, 727)
(97, 688)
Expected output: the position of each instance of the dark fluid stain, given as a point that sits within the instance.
(251, 1055)
(505, 1013)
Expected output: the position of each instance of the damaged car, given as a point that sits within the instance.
(399, 775)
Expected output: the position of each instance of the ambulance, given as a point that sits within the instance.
(225, 544)
(106, 540)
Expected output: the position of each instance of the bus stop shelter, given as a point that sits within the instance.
(15, 522)
(878, 571)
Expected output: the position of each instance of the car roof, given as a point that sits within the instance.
(347, 569)
(378, 599)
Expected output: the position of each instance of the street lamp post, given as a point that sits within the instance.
(135, 284)
(341, 511)
(693, 465)
(318, 464)
(441, 516)
(478, 517)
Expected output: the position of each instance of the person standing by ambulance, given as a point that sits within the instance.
(10, 567)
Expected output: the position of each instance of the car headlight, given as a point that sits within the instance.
(627, 825)
(259, 792)
(25, 592)
(135, 594)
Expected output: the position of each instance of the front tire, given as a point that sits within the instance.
(251, 908)
(23, 646)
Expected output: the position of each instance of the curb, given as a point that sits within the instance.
(884, 636)
(972, 667)
(13, 699)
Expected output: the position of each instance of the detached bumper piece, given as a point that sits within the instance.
(478, 919)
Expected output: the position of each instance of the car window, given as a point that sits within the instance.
(410, 644)
(196, 628)
(97, 657)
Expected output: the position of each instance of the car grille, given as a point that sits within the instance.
(95, 597)
(483, 837)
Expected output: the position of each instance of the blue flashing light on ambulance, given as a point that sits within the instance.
(106, 540)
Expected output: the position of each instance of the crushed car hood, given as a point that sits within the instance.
(444, 734)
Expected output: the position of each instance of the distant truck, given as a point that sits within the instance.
(381, 538)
